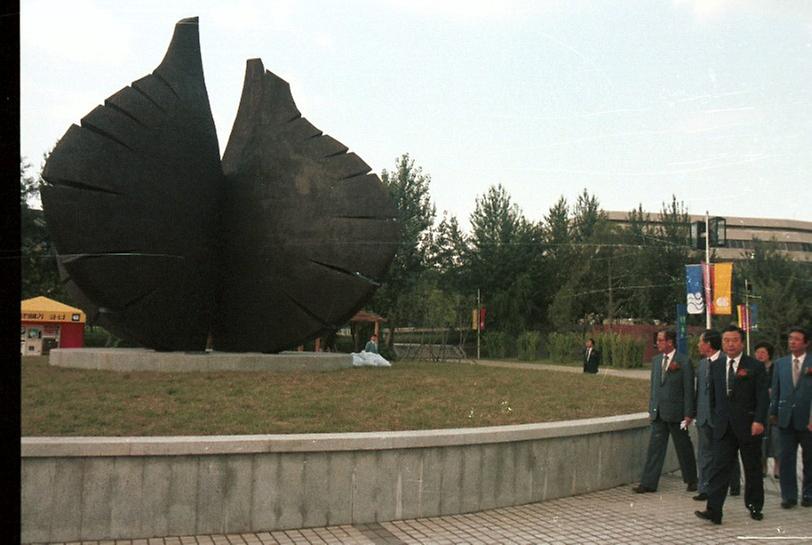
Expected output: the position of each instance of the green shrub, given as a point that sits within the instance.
(528, 344)
(497, 344)
(622, 351)
(565, 347)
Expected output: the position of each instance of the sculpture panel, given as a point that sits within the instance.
(282, 241)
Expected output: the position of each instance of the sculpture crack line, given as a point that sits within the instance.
(278, 242)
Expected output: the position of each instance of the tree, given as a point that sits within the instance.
(39, 272)
(409, 189)
(448, 254)
(503, 248)
(785, 290)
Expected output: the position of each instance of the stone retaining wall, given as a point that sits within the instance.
(116, 488)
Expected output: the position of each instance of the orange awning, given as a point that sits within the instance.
(42, 309)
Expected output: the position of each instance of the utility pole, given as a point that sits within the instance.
(747, 298)
(478, 320)
(708, 263)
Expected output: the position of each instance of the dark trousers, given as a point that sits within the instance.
(790, 439)
(705, 460)
(724, 457)
(657, 447)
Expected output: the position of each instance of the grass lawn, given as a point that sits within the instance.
(407, 396)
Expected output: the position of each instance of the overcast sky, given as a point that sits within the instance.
(710, 100)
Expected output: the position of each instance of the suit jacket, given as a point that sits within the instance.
(703, 378)
(748, 403)
(594, 359)
(672, 399)
(791, 403)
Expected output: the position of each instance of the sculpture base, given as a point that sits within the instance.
(142, 359)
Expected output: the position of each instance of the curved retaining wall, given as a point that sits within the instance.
(120, 487)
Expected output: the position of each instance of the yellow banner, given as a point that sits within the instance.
(722, 283)
(474, 319)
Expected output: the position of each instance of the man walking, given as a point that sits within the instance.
(739, 400)
(671, 409)
(791, 411)
(710, 345)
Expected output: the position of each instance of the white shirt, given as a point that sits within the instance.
(715, 356)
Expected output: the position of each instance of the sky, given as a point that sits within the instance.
(635, 101)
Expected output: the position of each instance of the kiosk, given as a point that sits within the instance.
(47, 324)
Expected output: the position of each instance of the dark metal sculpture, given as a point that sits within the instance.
(164, 245)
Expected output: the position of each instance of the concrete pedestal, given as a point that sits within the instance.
(140, 359)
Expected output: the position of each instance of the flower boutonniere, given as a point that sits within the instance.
(742, 373)
(673, 367)
(808, 372)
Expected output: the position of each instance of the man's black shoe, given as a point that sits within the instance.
(806, 503)
(640, 489)
(701, 497)
(756, 515)
(788, 504)
(735, 491)
(691, 487)
(707, 515)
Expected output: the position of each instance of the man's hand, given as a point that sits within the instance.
(757, 428)
(809, 427)
(688, 421)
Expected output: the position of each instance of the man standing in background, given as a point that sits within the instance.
(592, 357)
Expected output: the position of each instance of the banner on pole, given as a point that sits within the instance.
(474, 319)
(707, 281)
(482, 319)
(682, 329)
(693, 286)
(747, 317)
(744, 322)
(722, 284)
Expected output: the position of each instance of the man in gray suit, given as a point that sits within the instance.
(671, 410)
(710, 347)
(791, 410)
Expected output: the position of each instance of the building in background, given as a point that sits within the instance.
(47, 324)
(791, 237)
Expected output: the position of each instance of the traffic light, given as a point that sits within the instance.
(718, 233)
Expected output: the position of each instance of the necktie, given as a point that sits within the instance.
(796, 371)
(730, 377)
(665, 367)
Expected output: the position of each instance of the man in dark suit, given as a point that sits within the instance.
(671, 409)
(710, 347)
(592, 357)
(739, 401)
(791, 411)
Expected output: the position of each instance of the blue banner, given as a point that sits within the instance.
(753, 316)
(694, 289)
(682, 329)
